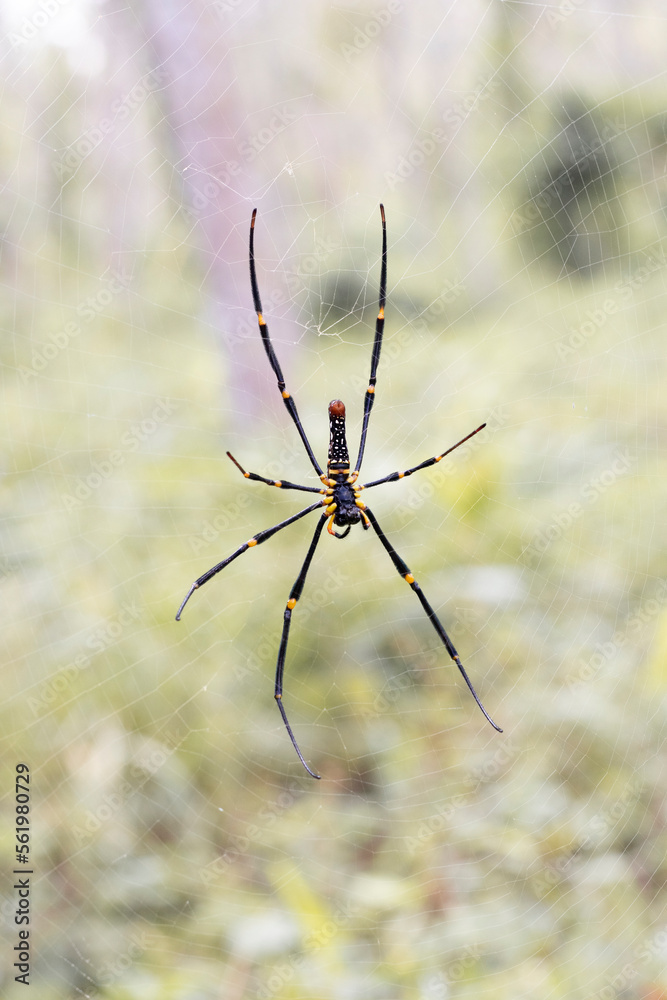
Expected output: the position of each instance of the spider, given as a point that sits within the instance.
(341, 496)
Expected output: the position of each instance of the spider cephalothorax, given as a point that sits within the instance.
(340, 496)
(346, 501)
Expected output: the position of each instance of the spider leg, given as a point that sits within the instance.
(257, 539)
(393, 476)
(295, 594)
(369, 398)
(404, 571)
(271, 354)
(282, 484)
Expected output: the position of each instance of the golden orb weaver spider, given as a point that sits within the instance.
(342, 502)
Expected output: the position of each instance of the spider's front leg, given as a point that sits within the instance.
(394, 476)
(282, 484)
(270, 352)
(369, 398)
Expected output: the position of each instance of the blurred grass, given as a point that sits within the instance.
(215, 860)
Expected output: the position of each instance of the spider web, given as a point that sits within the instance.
(178, 849)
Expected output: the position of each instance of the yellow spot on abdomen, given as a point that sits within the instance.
(371, 389)
(409, 578)
(291, 603)
(381, 314)
(285, 394)
(253, 541)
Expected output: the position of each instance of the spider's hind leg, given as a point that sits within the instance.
(271, 354)
(257, 539)
(404, 571)
(295, 594)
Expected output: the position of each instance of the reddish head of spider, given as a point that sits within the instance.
(339, 459)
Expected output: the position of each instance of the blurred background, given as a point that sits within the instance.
(180, 851)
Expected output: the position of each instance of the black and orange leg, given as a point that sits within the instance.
(271, 354)
(255, 540)
(369, 398)
(393, 476)
(295, 594)
(282, 484)
(404, 571)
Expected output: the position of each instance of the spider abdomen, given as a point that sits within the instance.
(339, 458)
